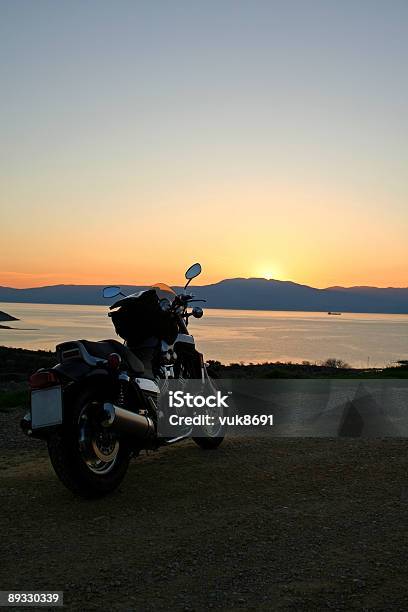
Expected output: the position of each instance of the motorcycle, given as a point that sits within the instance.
(98, 407)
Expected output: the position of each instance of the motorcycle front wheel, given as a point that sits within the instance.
(211, 437)
(87, 459)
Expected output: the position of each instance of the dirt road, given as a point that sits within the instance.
(282, 524)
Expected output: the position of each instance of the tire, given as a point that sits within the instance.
(75, 456)
(207, 442)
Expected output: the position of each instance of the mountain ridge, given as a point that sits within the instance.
(238, 293)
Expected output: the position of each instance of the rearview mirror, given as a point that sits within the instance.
(111, 292)
(193, 271)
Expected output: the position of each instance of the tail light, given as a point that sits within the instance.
(114, 361)
(39, 380)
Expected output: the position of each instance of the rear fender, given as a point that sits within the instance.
(73, 371)
(74, 377)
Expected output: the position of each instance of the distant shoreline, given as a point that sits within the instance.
(4, 316)
(19, 328)
(237, 308)
(16, 365)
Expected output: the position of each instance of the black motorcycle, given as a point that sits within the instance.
(98, 406)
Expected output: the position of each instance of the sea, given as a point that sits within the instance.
(231, 336)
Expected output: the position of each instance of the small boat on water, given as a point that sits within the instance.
(334, 313)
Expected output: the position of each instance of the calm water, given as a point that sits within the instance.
(231, 335)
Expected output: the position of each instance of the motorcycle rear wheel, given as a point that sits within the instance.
(88, 461)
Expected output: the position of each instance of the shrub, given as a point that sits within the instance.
(332, 362)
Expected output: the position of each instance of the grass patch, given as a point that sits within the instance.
(13, 399)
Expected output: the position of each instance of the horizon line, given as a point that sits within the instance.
(330, 287)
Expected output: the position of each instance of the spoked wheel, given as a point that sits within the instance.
(88, 459)
(98, 446)
(210, 436)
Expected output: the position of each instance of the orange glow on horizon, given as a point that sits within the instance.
(26, 281)
(291, 233)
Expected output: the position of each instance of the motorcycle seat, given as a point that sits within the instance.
(103, 348)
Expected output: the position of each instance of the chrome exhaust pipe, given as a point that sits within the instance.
(126, 422)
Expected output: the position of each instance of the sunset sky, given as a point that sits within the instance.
(262, 138)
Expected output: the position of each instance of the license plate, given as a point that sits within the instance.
(46, 407)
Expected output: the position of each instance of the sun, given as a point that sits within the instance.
(268, 272)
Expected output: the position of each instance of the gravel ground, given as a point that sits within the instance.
(259, 524)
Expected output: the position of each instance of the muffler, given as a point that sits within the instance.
(125, 422)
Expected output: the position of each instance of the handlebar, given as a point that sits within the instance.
(187, 298)
(180, 303)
